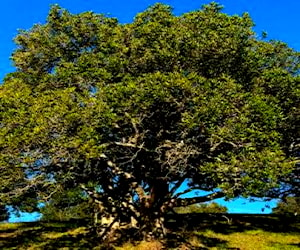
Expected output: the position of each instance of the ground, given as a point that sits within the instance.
(198, 231)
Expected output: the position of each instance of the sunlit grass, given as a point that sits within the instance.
(72, 232)
(7, 226)
(254, 239)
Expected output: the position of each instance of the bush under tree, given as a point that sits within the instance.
(289, 206)
(67, 205)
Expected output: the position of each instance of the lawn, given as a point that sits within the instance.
(185, 232)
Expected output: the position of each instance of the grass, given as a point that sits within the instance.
(154, 245)
(252, 239)
(42, 235)
(242, 232)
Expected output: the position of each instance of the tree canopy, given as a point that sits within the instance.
(127, 113)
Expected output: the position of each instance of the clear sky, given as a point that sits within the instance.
(280, 19)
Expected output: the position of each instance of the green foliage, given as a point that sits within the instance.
(66, 206)
(290, 206)
(211, 207)
(129, 112)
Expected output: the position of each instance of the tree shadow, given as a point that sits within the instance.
(186, 238)
(231, 223)
(46, 235)
(183, 230)
(185, 227)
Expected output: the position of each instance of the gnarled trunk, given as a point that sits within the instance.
(152, 210)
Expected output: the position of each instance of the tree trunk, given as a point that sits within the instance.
(152, 225)
(147, 218)
(153, 210)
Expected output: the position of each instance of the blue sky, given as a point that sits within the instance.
(280, 19)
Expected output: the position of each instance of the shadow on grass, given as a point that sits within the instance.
(183, 232)
(184, 240)
(46, 235)
(231, 223)
(294, 245)
(184, 228)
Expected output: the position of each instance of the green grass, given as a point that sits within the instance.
(252, 239)
(41, 235)
(209, 232)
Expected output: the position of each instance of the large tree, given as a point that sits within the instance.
(130, 112)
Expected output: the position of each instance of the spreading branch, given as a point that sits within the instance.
(182, 202)
(185, 192)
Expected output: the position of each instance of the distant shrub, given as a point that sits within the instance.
(67, 205)
(290, 206)
(52, 213)
(211, 207)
